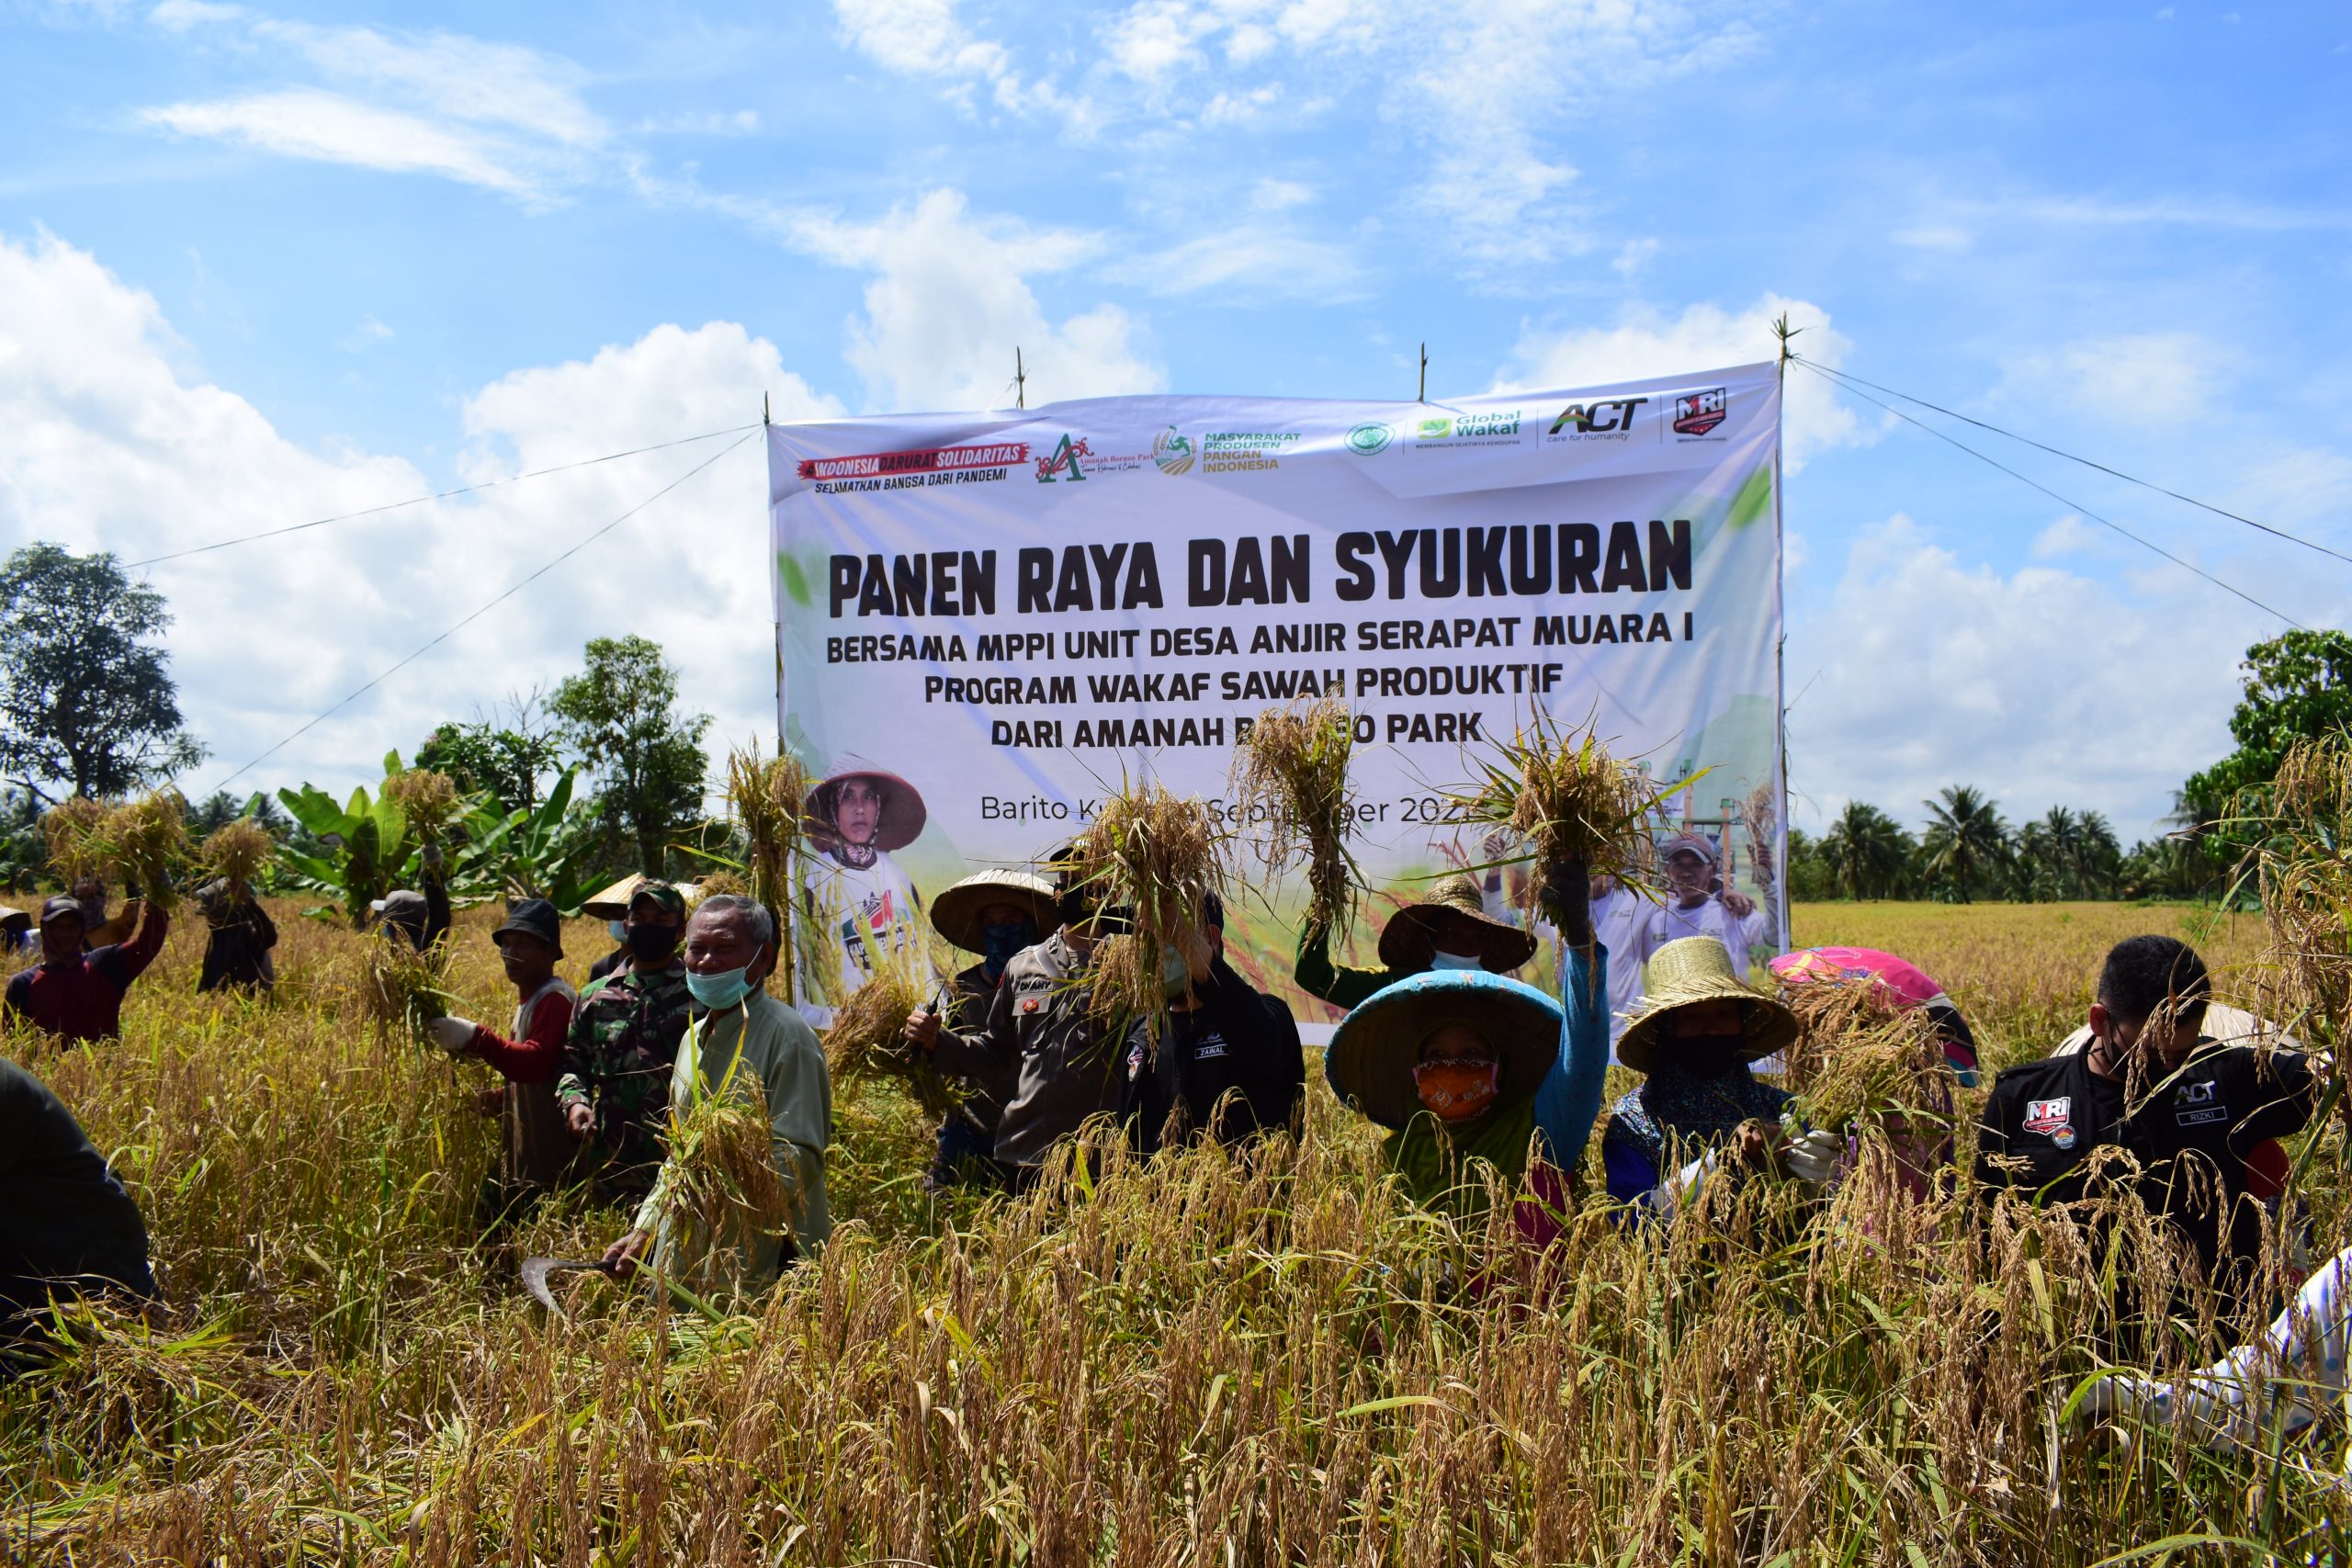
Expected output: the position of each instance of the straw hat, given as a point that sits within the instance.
(902, 807)
(1698, 969)
(1374, 1050)
(612, 904)
(955, 914)
(14, 921)
(1410, 935)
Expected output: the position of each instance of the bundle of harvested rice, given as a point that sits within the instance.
(1857, 1055)
(867, 1041)
(1562, 793)
(1290, 781)
(2303, 868)
(770, 799)
(721, 1188)
(144, 842)
(67, 827)
(429, 802)
(407, 989)
(238, 852)
(717, 883)
(1159, 858)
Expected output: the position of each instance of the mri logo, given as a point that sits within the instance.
(1063, 464)
(1696, 413)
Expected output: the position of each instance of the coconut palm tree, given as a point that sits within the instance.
(1864, 850)
(1966, 843)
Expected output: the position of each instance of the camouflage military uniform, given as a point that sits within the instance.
(624, 1038)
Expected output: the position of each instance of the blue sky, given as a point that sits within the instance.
(257, 265)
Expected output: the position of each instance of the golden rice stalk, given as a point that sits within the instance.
(2304, 866)
(1857, 1055)
(238, 852)
(867, 1041)
(406, 989)
(67, 826)
(719, 881)
(1159, 857)
(1290, 781)
(145, 841)
(723, 1190)
(770, 799)
(1561, 792)
(428, 800)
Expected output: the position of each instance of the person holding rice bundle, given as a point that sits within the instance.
(1465, 1067)
(239, 935)
(1448, 930)
(75, 991)
(994, 914)
(1692, 906)
(1694, 1040)
(1225, 1063)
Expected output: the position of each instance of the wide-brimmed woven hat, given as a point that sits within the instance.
(902, 809)
(955, 914)
(1374, 1050)
(612, 904)
(1698, 969)
(14, 920)
(1408, 939)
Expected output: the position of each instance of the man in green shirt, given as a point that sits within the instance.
(741, 1041)
(1448, 930)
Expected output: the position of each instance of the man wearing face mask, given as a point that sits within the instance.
(611, 906)
(1225, 1061)
(741, 1037)
(1698, 1029)
(1467, 1068)
(614, 1084)
(994, 914)
(1040, 1036)
(1449, 929)
(2154, 1081)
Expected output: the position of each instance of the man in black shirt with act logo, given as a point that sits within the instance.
(2188, 1109)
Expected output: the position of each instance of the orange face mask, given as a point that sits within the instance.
(1457, 1091)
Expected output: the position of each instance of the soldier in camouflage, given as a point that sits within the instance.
(614, 1087)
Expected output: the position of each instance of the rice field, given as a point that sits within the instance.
(1213, 1360)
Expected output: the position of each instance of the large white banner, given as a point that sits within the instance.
(992, 619)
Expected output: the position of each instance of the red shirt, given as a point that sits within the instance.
(81, 998)
(535, 1057)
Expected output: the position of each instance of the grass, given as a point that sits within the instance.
(1209, 1360)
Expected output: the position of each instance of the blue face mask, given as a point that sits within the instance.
(1453, 961)
(1000, 941)
(724, 989)
(620, 932)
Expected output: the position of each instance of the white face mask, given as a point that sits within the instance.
(1444, 960)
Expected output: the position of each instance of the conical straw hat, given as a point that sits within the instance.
(955, 914)
(1698, 969)
(1406, 942)
(1374, 1050)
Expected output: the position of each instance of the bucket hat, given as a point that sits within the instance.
(956, 913)
(1376, 1046)
(1698, 969)
(1408, 939)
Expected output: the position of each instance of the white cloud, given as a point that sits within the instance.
(1647, 341)
(1634, 255)
(2042, 687)
(108, 441)
(2162, 377)
(2069, 535)
(488, 114)
(365, 334)
(1265, 261)
(950, 302)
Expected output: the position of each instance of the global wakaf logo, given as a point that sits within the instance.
(1603, 416)
(1363, 440)
(1064, 461)
(1695, 413)
(1172, 452)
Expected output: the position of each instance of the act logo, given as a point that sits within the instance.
(1602, 417)
(1172, 452)
(1363, 440)
(1695, 413)
(1064, 462)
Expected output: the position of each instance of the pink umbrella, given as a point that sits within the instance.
(1910, 986)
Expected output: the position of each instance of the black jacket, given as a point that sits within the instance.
(1239, 1043)
(66, 1225)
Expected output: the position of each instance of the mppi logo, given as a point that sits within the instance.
(1604, 419)
(1696, 413)
(1172, 452)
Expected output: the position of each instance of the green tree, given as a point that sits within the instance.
(1967, 844)
(84, 697)
(1865, 851)
(504, 761)
(621, 718)
(2298, 687)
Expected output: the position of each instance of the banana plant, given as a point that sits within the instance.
(546, 851)
(367, 844)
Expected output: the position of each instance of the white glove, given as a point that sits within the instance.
(452, 1035)
(1812, 1157)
